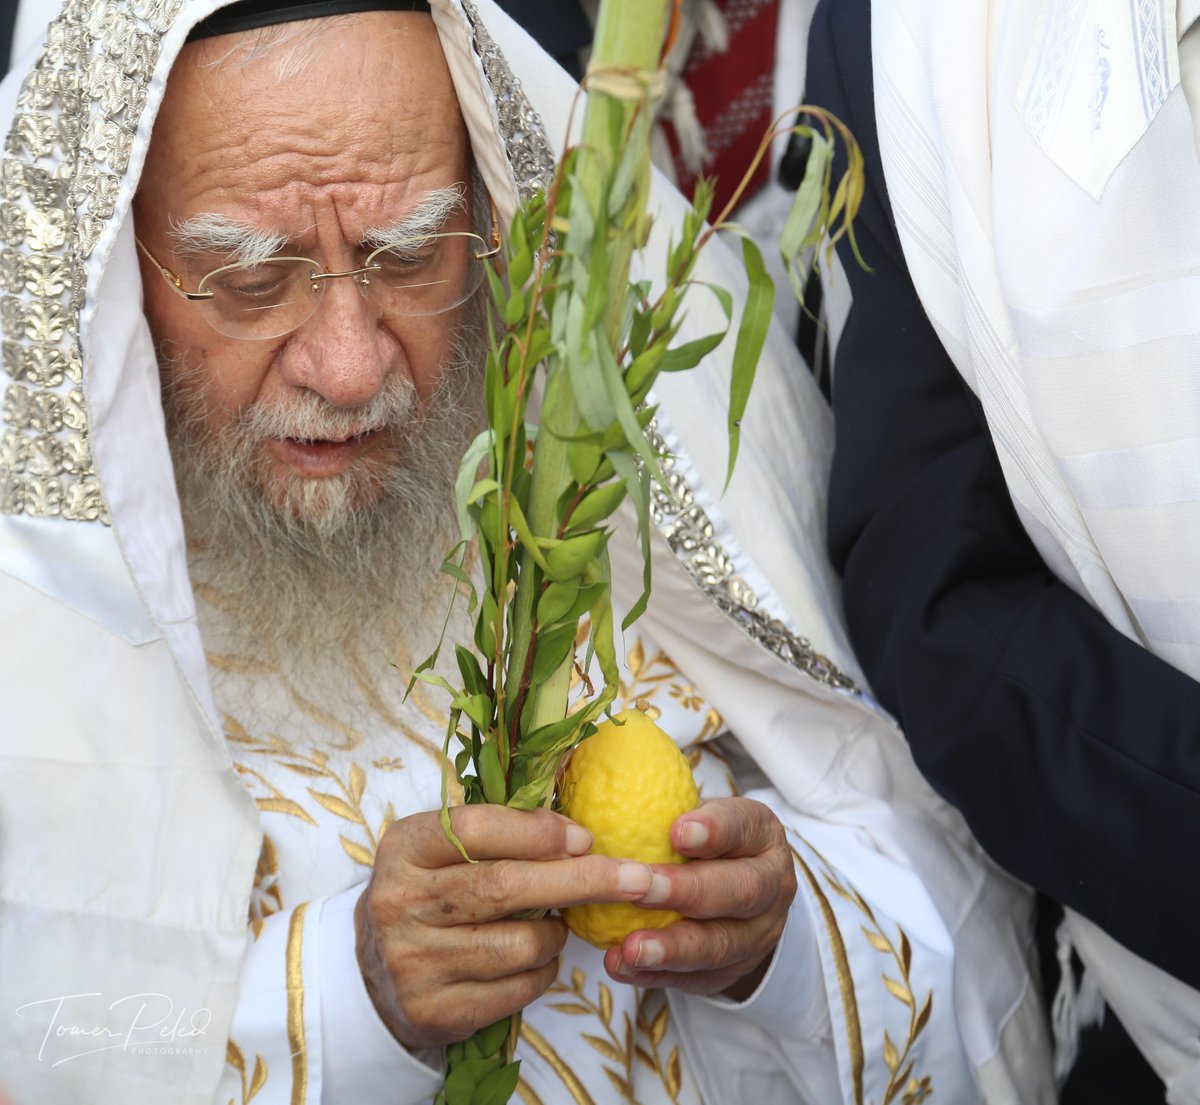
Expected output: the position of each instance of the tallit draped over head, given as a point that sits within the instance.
(127, 843)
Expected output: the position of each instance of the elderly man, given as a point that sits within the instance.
(233, 406)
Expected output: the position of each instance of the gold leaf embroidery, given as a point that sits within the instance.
(897, 1060)
(258, 1079)
(527, 1094)
(605, 1004)
(876, 941)
(571, 1007)
(235, 1059)
(658, 1027)
(569, 1079)
(635, 658)
(337, 806)
(622, 1086)
(304, 769)
(898, 990)
(605, 1048)
(358, 782)
(284, 805)
(357, 852)
(926, 1010)
(674, 1073)
(890, 1055)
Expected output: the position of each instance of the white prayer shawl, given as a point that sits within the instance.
(1040, 162)
(127, 843)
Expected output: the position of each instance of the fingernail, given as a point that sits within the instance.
(579, 840)
(650, 954)
(693, 834)
(624, 969)
(660, 887)
(634, 878)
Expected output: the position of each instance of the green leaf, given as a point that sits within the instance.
(520, 266)
(596, 290)
(514, 309)
(485, 626)
(491, 774)
(556, 601)
(494, 1037)
(498, 1087)
(466, 479)
(615, 438)
(596, 505)
(459, 1086)
(551, 653)
(691, 353)
(752, 335)
(532, 795)
(661, 319)
(517, 517)
(601, 641)
(633, 163)
(565, 562)
(591, 396)
(469, 669)
(637, 483)
(626, 415)
(544, 738)
(802, 228)
(541, 345)
(645, 367)
(483, 487)
(478, 707)
(444, 812)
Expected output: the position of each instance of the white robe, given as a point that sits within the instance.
(129, 841)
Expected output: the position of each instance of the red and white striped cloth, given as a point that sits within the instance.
(734, 97)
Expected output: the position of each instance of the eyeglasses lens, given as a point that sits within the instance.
(268, 299)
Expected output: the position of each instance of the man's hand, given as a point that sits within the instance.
(439, 949)
(734, 896)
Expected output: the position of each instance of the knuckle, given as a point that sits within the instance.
(721, 943)
(755, 890)
(523, 948)
(501, 883)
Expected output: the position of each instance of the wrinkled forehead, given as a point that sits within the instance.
(354, 114)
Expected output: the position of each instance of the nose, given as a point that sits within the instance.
(342, 352)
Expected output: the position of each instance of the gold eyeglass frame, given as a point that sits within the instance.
(362, 275)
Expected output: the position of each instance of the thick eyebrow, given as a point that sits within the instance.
(238, 241)
(428, 216)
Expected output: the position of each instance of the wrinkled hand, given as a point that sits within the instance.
(439, 949)
(734, 896)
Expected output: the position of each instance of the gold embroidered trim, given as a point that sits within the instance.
(64, 157)
(295, 1005)
(845, 979)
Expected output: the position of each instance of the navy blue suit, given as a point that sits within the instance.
(1073, 753)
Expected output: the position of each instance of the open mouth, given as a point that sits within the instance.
(316, 458)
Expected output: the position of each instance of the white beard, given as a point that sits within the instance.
(336, 572)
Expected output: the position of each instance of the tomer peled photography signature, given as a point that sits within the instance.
(145, 1023)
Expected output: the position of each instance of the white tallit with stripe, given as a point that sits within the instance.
(1040, 162)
